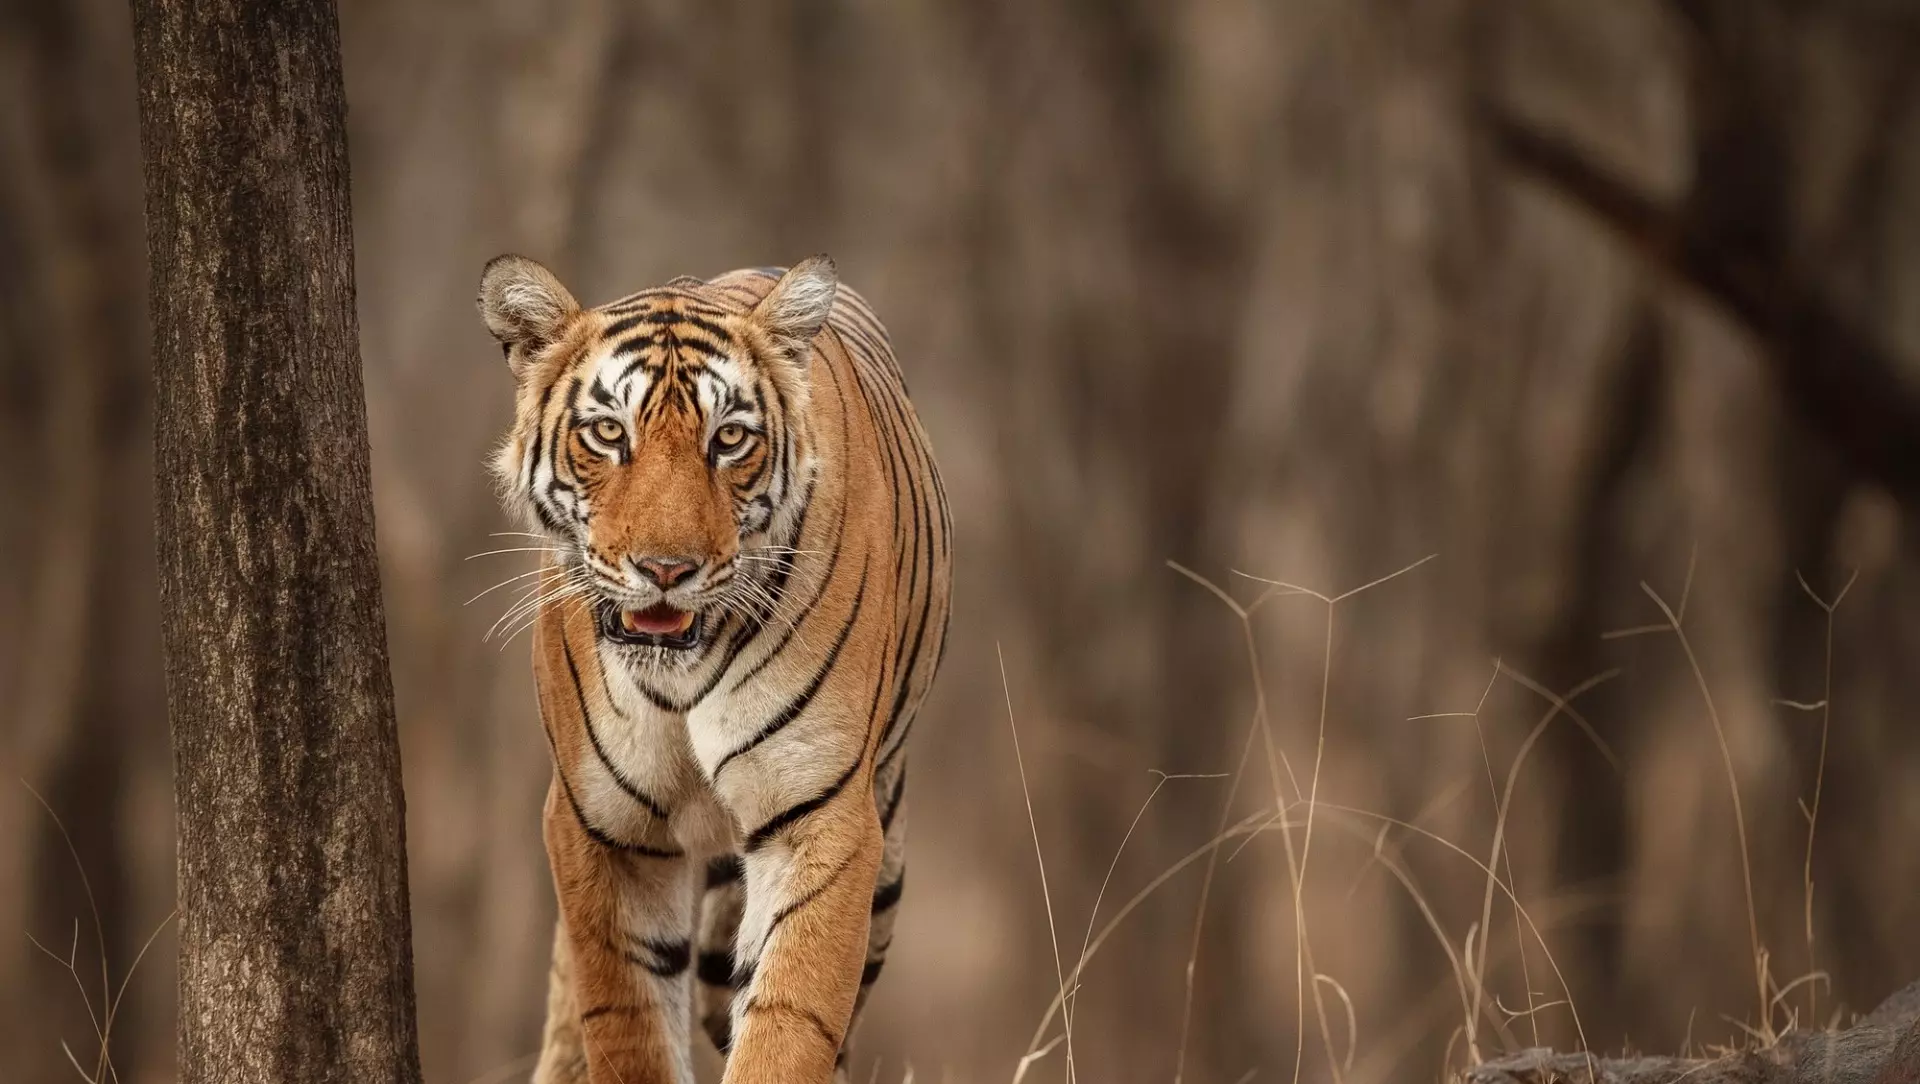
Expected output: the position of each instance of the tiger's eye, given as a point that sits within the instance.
(730, 436)
(609, 431)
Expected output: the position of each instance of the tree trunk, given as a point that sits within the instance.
(295, 945)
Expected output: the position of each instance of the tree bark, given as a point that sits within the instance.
(295, 944)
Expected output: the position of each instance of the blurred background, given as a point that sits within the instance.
(1578, 297)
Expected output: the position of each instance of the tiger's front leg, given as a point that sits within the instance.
(625, 915)
(802, 947)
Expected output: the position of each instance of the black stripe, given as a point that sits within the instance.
(639, 344)
(893, 801)
(659, 700)
(695, 351)
(764, 834)
(875, 353)
(799, 703)
(668, 325)
(599, 836)
(912, 656)
(593, 832)
(905, 681)
(819, 1025)
(716, 968)
(793, 908)
(723, 1040)
(860, 315)
(879, 687)
(664, 958)
(628, 786)
(759, 472)
(882, 446)
(622, 326)
(627, 373)
(899, 746)
(659, 390)
(784, 572)
(889, 894)
(902, 472)
(848, 326)
(946, 623)
(601, 395)
(555, 453)
(651, 298)
(540, 453)
(871, 971)
(706, 325)
(540, 426)
(724, 870)
(646, 317)
(599, 1011)
(545, 517)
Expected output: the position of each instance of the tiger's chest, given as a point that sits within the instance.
(639, 778)
(684, 781)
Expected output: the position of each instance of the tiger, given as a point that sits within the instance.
(743, 603)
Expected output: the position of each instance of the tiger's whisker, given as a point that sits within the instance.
(502, 583)
(532, 601)
(516, 549)
(527, 617)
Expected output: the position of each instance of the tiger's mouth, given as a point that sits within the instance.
(658, 625)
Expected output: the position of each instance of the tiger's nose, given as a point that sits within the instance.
(666, 571)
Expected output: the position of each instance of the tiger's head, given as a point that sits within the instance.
(660, 443)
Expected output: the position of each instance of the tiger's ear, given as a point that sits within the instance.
(523, 304)
(793, 311)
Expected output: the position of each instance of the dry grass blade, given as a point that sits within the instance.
(1093, 915)
(1503, 807)
(1258, 822)
(1733, 790)
(103, 1016)
(1479, 962)
(1812, 809)
(1488, 871)
(1297, 865)
(113, 1010)
(1256, 729)
(1260, 728)
(1811, 978)
(1031, 1056)
(70, 963)
(1040, 857)
(1353, 1020)
(102, 1021)
(1420, 903)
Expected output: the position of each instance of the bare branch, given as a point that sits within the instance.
(1844, 385)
